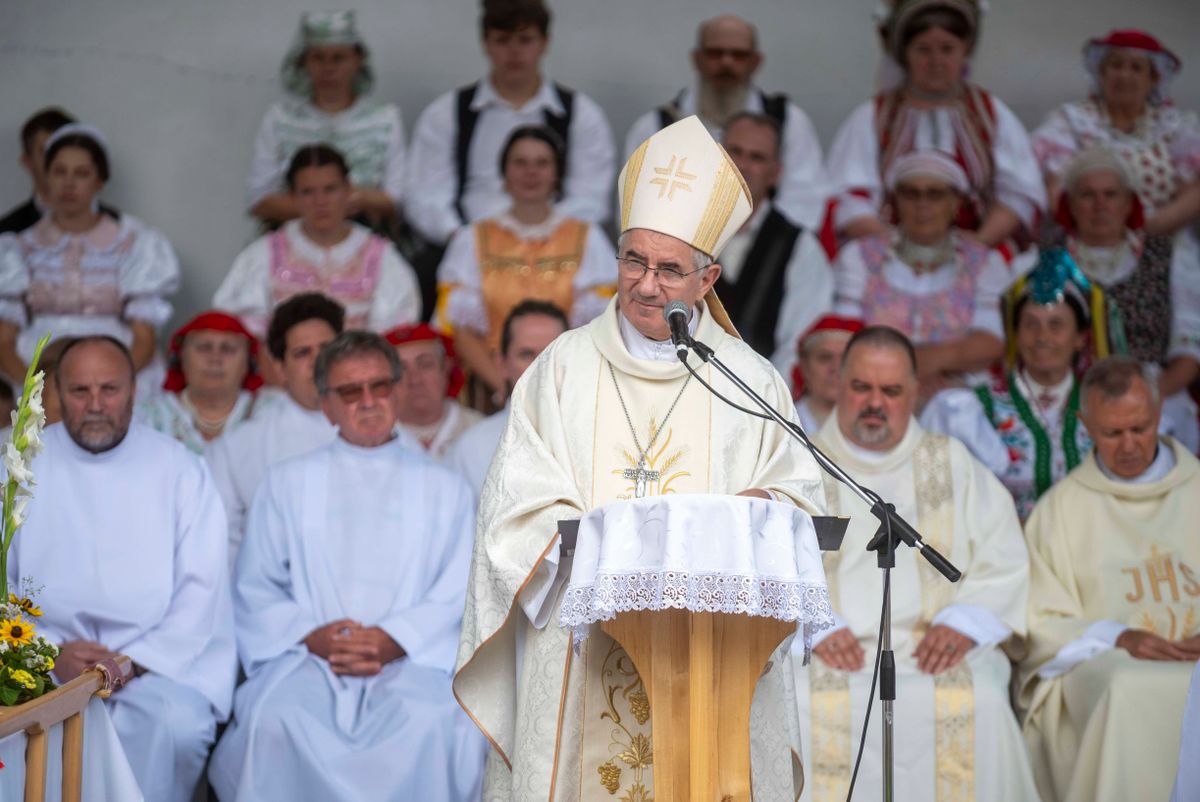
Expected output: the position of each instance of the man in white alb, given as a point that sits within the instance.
(292, 424)
(607, 412)
(127, 535)
(349, 594)
(529, 328)
(1114, 608)
(956, 735)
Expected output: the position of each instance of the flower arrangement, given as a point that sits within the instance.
(26, 658)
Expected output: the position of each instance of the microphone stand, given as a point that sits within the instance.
(893, 529)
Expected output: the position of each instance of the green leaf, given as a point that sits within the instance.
(9, 695)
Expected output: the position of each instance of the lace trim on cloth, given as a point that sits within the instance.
(787, 600)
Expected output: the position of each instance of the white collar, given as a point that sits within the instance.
(310, 251)
(642, 347)
(531, 231)
(546, 98)
(1164, 463)
(1059, 392)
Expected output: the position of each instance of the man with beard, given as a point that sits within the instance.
(127, 533)
(726, 57)
(959, 735)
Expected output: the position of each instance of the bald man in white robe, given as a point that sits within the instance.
(126, 534)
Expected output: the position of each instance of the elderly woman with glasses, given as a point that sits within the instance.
(925, 279)
(532, 251)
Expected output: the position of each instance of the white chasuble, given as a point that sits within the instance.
(380, 536)
(576, 726)
(957, 739)
(1121, 554)
(128, 546)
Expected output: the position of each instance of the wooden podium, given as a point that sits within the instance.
(700, 671)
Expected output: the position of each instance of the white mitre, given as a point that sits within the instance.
(682, 183)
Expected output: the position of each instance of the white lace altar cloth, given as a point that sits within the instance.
(704, 553)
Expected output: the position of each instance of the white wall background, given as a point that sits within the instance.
(179, 86)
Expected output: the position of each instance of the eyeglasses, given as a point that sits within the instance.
(668, 277)
(914, 195)
(353, 393)
(735, 53)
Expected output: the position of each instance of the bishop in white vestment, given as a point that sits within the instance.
(126, 535)
(607, 412)
(1114, 608)
(348, 596)
(956, 735)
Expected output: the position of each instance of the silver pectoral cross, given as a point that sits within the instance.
(640, 475)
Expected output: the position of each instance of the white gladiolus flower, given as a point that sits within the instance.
(15, 464)
(33, 439)
(19, 513)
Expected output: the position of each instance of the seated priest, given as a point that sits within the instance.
(294, 424)
(1114, 630)
(127, 536)
(348, 597)
(529, 328)
(608, 413)
(957, 736)
(427, 396)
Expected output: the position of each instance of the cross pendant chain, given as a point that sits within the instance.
(640, 476)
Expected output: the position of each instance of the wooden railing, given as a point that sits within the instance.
(64, 706)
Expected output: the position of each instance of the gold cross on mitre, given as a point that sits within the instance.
(671, 178)
(681, 183)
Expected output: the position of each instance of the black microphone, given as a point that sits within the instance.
(677, 314)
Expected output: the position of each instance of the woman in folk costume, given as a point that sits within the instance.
(80, 271)
(1153, 280)
(328, 78)
(532, 251)
(212, 381)
(927, 279)
(1129, 112)
(1023, 425)
(935, 107)
(323, 251)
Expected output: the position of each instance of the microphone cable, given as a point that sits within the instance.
(821, 458)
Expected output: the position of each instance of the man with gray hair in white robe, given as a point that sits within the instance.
(348, 595)
(127, 535)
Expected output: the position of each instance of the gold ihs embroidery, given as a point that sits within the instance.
(1161, 584)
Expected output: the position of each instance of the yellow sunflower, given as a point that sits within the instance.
(25, 604)
(23, 677)
(16, 633)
